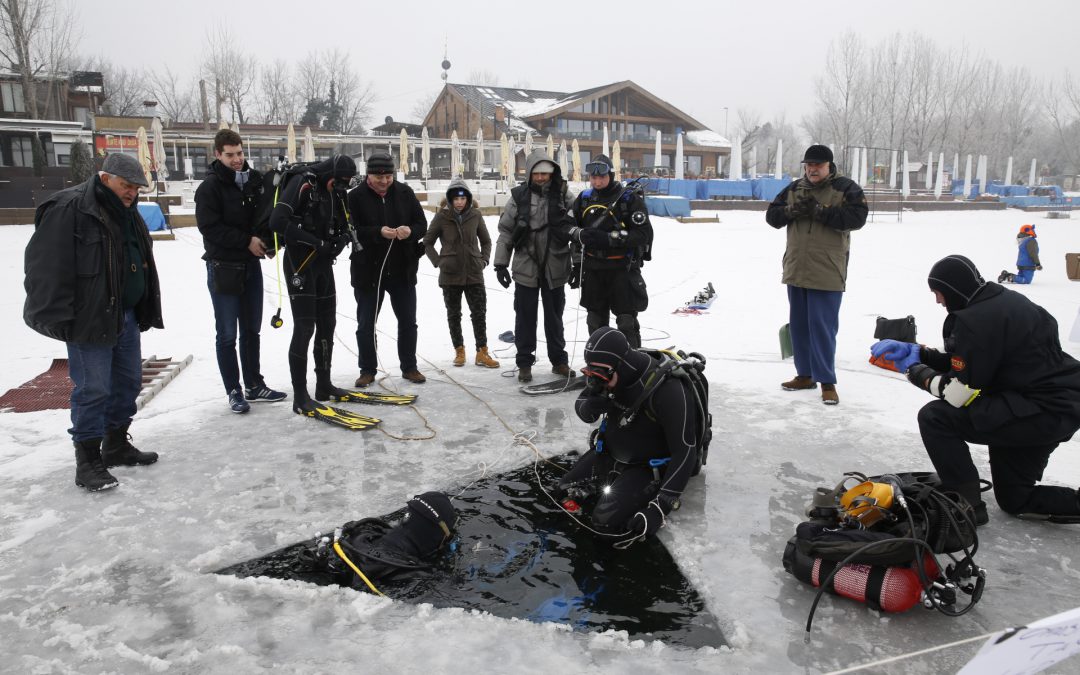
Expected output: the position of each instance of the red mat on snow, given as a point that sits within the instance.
(50, 390)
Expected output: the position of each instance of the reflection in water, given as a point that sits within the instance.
(516, 555)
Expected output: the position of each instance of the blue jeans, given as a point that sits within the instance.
(107, 380)
(814, 317)
(1023, 276)
(403, 301)
(554, 302)
(244, 311)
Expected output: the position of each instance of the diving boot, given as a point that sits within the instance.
(90, 473)
(302, 403)
(117, 450)
(459, 356)
(325, 391)
(798, 383)
(483, 358)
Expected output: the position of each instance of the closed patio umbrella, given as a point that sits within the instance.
(479, 153)
(403, 152)
(309, 145)
(577, 161)
(425, 155)
(616, 160)
(143, 155)
(678, 157)
(455, 155)
(290, 144)
(160, 163)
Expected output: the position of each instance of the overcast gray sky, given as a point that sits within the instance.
(699, 56)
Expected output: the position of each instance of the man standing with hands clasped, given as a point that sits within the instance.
(819, 211)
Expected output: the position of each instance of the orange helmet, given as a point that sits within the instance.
(1028, 230)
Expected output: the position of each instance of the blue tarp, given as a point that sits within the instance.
(660, 205)
(768, 188)
(727, 188)
(151, 213)
(1021, 202)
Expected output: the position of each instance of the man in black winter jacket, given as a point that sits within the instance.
(311, 219)
(225, 210)
(612, 227)
(390, 224)
(91, 282)
(1004, 382)
(641, 462)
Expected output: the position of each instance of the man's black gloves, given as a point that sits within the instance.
(591, 237)
(503, 275)
(575, 276)
(802, 207)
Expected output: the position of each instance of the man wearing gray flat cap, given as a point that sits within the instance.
(91, 282)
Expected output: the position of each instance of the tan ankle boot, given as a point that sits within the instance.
(829, 395)
(459, 356)
(798, 383)
(483, 358)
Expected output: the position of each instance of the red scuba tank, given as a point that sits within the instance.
(890, 589)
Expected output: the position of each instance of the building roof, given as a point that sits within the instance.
(525, 105)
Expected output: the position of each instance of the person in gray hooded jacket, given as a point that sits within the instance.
(534, 242)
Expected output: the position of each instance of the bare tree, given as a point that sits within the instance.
(231, 72)
(176, 100)
(125, 88)
(355, 97)
(1063, 109)
(838, 88)
(280, 102)
(422, 106)
(483, 78)
(37, 38)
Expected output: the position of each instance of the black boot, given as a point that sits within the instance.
(972, 493)
(117, 450)
(90, 473)
(326, 391)
(302, 403)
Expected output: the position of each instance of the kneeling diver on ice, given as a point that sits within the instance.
(653, 436)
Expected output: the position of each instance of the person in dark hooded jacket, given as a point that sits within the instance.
(225, 207)
(534, 232)
(390, 224)
(1003, 381)
(311, 219)
(639, 465)
(464, 253)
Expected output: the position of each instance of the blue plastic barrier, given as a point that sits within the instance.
(151, 213)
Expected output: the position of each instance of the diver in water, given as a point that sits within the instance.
(652, 438)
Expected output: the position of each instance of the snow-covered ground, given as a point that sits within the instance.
(119, 582)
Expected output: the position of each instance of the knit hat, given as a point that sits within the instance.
(1028, 230)
(544, 166)
(817, 154)
(957, 279)
(126, 167)
(380, 163)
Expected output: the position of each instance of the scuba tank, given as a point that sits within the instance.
(888, 589)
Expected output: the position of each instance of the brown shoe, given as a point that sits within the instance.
(828, 394)
(799, 383)
(483, 358)
(414, 376)
(524, 374)
(459, 356)
(365, 379)
(562, 369)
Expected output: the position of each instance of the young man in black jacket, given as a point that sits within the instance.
(1004, 382)
(390, 224)
(312, 221)
(91, 282)
(225, 208)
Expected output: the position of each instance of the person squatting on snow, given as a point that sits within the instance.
(1003, 381)
(225, 210)
(819, 211)
(390, 225)
(533, 230)
(465, 249)
(633, 498)
(91, 282)
(1027, 258)
(311, 219)
(612, 226)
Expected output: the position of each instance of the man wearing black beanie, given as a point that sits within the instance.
(1003, 381)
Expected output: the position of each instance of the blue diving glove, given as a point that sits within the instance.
(903, 354)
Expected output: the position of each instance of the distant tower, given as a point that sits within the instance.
(445, 63)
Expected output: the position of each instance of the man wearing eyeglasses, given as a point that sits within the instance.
(819, 210)
(612, 237)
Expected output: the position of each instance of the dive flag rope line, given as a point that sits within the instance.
(909, 655)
